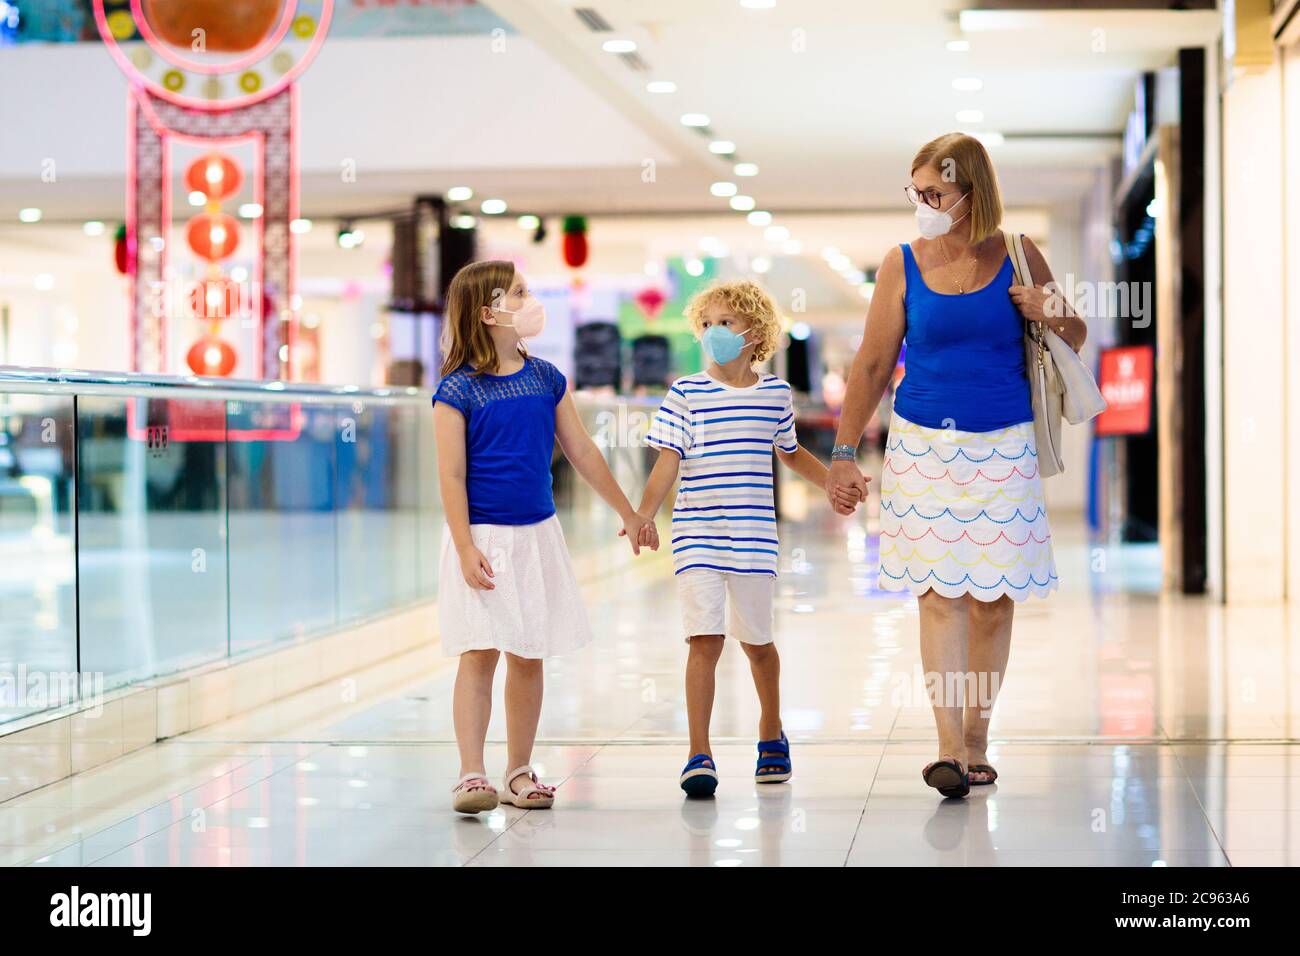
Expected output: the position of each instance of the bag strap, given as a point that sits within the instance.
(1019, 261)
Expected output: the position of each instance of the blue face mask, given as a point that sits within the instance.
(720, 344)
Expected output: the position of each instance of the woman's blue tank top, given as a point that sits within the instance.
(965, 358)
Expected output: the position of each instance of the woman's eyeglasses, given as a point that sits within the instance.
(931, 197)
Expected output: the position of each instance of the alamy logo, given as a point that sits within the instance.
(102, 909)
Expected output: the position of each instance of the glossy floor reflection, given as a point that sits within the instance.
(1134, 730)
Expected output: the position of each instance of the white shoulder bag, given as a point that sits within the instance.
(1060, 384)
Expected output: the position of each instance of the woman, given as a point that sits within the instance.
(962, 519)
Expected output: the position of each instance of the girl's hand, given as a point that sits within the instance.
(631, 529)
(476, 570)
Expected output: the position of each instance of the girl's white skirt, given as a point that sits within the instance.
(963, 513)
(535, 609)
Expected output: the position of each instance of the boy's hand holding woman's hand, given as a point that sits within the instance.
(846, 487)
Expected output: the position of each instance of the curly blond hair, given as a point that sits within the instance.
(743, 299)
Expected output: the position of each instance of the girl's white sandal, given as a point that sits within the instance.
(473, 794)
(535, 796)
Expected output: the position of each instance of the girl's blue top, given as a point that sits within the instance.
(965, 359)
(509, 439)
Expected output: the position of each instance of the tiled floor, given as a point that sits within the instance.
(1133, 729)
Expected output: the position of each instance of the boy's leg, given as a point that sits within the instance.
(765, 665)
(750, 598)
(702, 595)
(471, 706)
(524, 680)
(701, 671)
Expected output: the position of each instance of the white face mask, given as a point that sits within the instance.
(932, 223)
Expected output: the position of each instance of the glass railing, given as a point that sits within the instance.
(148, 525)
(153, 524)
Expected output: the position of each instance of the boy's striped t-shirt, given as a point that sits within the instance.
(724, 518)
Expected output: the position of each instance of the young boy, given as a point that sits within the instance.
(719, 427)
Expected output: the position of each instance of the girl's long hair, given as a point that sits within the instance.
(466, 340)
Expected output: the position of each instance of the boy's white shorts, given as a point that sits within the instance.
(720, 602)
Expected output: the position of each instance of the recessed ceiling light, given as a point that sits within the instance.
(968, 84)
(829, 253)
(695, 119)
(250, 210)
(722, 147)
(776, 234)
(958, 46)
(300, 226)
(759, 217)
(493, 207)
(30, 214)
(743, 203)
(723, 189)
(463, 221)
(93, 228)
(661, 86)
(745, 169)
(619, 46)
(760, 264)
(694, 267)
(198, 198)
(989, 138)
(758, 4)
(528, 222)
(970, 116)
(460, 193)
(43, 281)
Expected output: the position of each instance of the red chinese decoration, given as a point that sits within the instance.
(229, 26)
(575, 241)
(211, 356)
(216, 175)
(214, 299)
(651, 302)
(121, 256)
(213, 236)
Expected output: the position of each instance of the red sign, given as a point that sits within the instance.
(1126, 382)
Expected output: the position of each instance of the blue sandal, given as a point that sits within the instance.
(781, 768)
(700, 776)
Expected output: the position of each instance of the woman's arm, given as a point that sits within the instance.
(449, 437)
(591, 465)
(873, 367)
(1051, 308)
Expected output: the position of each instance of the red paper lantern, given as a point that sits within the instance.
(214, 299)
(229, 26)
(651, 302)
(575, 241)
(211, 356)
(121, 259)
(215, 175)
(213, 236)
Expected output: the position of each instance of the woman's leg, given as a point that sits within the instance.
(471, 706)
(943, 656)
(990, 645)
(701, 677)
(523, 708)
(765, 665)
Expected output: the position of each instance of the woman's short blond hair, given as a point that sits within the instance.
(963, 160)
(743, 299)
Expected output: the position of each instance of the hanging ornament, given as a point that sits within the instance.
(229, 26)
(215, 175)
(651, 302)
(120, 257)
(575, 241)
(211, 356)
(213, 236)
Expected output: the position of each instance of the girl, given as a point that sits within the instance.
(506, 583)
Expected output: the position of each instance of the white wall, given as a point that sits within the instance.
(1291, 287)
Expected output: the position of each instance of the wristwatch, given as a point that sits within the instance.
(844, 453)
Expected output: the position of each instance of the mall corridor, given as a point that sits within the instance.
(1134, 730)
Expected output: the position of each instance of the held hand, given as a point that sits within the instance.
(649, 536)
(476, 570)
(631, 529)
(845, 486)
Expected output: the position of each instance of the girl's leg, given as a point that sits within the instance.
(989, 626)
(701, 669)
(471, 706)
(524, 681)
(943, 655)
(765, 665)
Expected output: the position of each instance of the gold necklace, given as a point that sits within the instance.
(970, 273)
